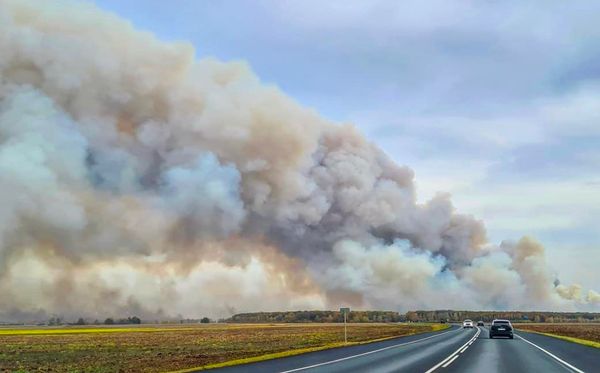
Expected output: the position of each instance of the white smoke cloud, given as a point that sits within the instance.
(205, 197)
(593, 297)
(495, 283)
(134, 178)
(572, 292)
(383, 275)
(41, 169)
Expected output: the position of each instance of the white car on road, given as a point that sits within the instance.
(468, 324)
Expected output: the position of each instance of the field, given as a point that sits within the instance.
(168, 348)
(588, 334)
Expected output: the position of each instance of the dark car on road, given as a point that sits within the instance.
(480, 323)
(501, 328)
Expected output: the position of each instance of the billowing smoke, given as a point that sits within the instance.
(137, 179)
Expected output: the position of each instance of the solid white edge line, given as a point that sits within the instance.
(464, 349)
(366, 353)
(455, 352)
(552, 355)
(450, 361)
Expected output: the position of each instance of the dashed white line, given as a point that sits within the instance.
(366, 353)
(450, 361)
(444, 363)
(552, 355)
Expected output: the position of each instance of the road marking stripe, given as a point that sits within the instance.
(366, 353)
(441, 363)
(450, 362)
(464, 349)
(552, 355)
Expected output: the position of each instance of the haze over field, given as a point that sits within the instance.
(137, 179)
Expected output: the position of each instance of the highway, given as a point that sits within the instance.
(451, 350)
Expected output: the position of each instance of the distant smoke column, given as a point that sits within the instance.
(130, 171)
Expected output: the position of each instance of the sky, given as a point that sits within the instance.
(496, 103)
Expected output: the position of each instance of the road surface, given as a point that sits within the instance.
(451, 350)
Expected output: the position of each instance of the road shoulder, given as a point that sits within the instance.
(585, 358)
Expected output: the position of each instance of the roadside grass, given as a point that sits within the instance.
(580, 341)
(587, 334)
(438, 327)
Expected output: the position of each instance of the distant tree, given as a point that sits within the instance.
(109, 321)
(55, 321)
(81, 321)
(205, 320)
(412, 316)
(135, 320)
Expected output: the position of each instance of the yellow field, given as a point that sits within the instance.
(169, 348)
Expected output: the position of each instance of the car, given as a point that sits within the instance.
(501, 328)
(468, 324)
(480, 323)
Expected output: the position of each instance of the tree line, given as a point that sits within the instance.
(412, 316)
(57, 320)
(514, 316)
(315, 316)
(359, 317)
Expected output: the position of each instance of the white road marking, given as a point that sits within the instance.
(552, 355)
(464, 349)
(450, 361)
(367, 353)
(452, 355)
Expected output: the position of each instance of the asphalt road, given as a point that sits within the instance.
(451, 350)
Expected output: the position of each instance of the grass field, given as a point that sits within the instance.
(169, 348)
(587, 334)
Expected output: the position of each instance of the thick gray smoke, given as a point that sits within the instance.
(136, 179)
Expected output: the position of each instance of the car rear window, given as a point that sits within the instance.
(501, 323)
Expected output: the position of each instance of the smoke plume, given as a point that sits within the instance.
(136, 179)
